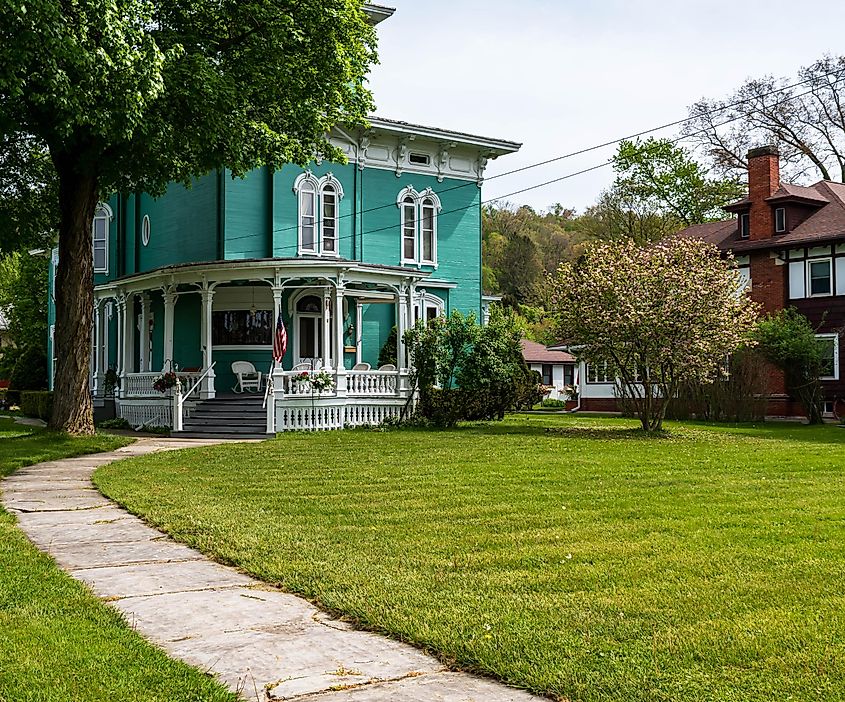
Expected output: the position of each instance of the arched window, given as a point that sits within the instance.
(307, 217)
(319, 205)
(100, 238)
(145, 230)
(328, 224)
(419, 225)
(428, 230)
(309, 303)
(409, 230)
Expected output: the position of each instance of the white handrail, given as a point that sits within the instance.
(268, 384)
(200, 379)
(179, 397)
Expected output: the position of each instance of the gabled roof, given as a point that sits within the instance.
(825, 223)
(533, 352)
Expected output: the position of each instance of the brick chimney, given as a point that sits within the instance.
(763, 181)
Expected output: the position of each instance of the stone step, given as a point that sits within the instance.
(211, 427)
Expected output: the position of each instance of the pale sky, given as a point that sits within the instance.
(559, 76)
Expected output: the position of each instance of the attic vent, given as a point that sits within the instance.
(420, 159)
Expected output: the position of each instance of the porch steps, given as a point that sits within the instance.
(227, 417)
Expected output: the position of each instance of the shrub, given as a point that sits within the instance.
(387, 354)
(552, 403)
(116, 423)
(37, 404)
(30, 371)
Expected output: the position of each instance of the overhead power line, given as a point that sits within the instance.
(542, 184)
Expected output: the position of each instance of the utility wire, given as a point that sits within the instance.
(530, 187)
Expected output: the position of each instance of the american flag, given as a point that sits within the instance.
(280, 340)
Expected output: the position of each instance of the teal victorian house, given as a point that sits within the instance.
(196, 281)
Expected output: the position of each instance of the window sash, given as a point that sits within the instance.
(409, 232)
(428, 236)
(829, 343)
(548, 374)
(780, 220)
(328, 242)
(744, 225)
(820, 277)
(100, 244)
(307, 238)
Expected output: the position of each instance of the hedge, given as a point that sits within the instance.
(37, 404)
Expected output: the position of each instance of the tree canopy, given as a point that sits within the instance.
(131, 95)
(805, 118)
(657, 316)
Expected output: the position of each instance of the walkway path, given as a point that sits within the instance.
(263, 643)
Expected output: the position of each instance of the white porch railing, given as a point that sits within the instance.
(357, 384)
(141, 384)
(370, 383)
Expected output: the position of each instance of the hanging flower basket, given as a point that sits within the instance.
(165, 382)
(321, 381)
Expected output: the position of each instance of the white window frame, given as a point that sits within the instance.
(427, 302)
(744, 231)
(308, 184)
(782, 211)
(596, 378)
(420, 201)
(102, 213)
(809, 287)
(835, 338)
(145, 230)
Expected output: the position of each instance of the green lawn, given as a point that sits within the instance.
(58, 643)
(568, 555)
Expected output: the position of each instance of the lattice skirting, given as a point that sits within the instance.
(149, 414)
(326, 417)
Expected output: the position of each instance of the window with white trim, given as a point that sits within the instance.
(100, 238)
(744, 225)
(418, 220)
(780, 220)
(318, 202)
(829, 346)
(428, 307)
(819, 277)
(599, 373)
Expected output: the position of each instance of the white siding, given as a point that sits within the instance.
(796, 280)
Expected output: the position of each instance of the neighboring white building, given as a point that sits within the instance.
(556, 367)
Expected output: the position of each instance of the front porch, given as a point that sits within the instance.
(198, 320)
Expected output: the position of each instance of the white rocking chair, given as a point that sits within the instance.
(248, 379)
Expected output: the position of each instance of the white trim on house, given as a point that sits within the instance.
(307, 185)
(414, 208)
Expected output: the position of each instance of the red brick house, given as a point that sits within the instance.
(789, 242)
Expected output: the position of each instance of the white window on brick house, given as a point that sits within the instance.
(780, 220)
(819, 277)
(744, 225)
(829, 345)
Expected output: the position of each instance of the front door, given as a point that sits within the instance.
(309, 346)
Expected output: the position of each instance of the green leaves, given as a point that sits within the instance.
(668, 180)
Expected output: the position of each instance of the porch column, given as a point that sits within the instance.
(277, 310)
(338, 339)
(207, 389)
(121, 313)
(96, 354)
(359, 337)
(144, 332)
(401, 319)
(278, 369)
(170, 297)
(327, 329)
(129, 322)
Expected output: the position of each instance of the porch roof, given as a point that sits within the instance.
(279, 268)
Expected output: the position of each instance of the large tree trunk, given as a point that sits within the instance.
(72, 408)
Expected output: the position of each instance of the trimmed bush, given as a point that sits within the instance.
(30, 371)
(116, 423)
(37, 404)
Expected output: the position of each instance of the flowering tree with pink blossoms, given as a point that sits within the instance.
(659, 316)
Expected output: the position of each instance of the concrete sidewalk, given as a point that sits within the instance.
(260, 642)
